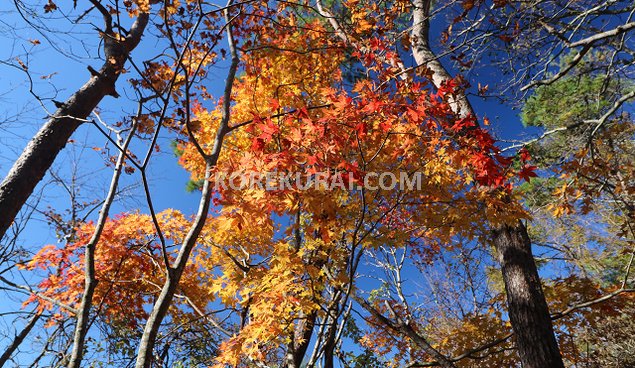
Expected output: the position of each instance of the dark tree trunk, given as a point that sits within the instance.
(300, 343)
(527, 308)
(38, 156)
(329, 346)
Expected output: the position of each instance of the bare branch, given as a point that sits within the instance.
(19, 338)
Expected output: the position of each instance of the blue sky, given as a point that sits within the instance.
(57, 69)
(63, 64)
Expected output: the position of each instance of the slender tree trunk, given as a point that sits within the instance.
(39, 154)
(90, 280)
(18, 339)
(301, 337)
(173, 276)
(528, 310)
(330, 343)
(160, 309)
(299, 345)
(81, 326)
(174, 273)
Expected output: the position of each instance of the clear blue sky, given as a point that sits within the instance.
(58, 67)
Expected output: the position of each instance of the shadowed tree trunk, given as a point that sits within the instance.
(527, 308)
(300, 343)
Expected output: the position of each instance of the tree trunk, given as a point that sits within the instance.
(299, 344)
(19, 338)
(90, 279)
(174, 273)
(163, 302)
(526, 302)
(527, 308)
(38, 156)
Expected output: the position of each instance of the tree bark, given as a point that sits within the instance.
(300, 342)
(173, 276)
(40, 153)
(527, 307)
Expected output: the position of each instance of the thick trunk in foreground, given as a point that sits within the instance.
(527, 308)
(526, 302)
(38, 156)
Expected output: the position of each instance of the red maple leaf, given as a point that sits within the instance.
(527, 172)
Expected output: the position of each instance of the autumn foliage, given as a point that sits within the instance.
(311, 99)
(128, 267)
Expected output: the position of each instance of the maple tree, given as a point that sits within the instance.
(278, 276)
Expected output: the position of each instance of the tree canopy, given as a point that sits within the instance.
(353, 199)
